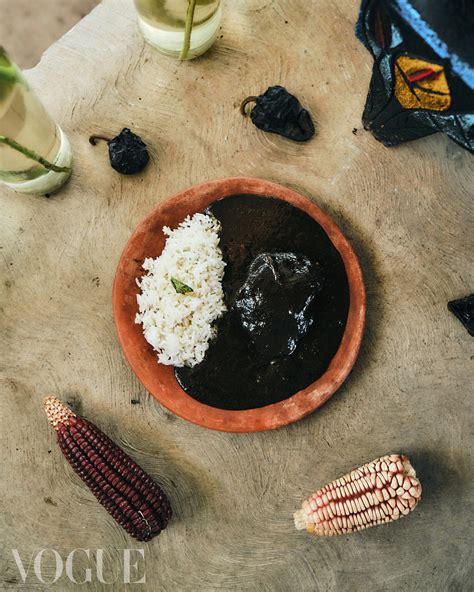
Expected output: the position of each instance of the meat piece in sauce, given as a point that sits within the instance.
(274, 303)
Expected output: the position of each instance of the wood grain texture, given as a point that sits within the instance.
(408, 212)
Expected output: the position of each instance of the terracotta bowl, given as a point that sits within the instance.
(148, 241)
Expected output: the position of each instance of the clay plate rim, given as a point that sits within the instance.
(148, 241)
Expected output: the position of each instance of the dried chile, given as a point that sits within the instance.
(280, 112)
(463, 309)
(128, 153)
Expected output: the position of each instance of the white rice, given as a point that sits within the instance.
(179, 326)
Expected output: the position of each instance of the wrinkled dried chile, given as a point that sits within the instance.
(463, 309)
(128, 153)
(280, 112)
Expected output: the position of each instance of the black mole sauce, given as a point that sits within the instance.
(233, 375)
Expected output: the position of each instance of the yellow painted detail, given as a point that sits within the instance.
(421, 85)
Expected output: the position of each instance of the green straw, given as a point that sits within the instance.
(33, 155)
(188, 26)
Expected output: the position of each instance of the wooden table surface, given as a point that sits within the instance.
(408, 212)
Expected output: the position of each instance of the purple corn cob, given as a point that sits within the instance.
(130, 495)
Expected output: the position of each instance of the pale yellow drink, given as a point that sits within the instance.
(163, 24)
(25, 121)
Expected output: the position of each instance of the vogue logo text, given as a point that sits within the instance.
(48, 566)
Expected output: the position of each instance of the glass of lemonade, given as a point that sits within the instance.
(35, 155)
(166, 25)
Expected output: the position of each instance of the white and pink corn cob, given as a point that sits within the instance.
(377, 492)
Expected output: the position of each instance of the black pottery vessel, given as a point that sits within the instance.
(423, 74)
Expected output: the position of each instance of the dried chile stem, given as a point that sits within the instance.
(93, 139)
(33, 155)
(244, 104)
(188, 26)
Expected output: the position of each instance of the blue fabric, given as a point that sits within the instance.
(414, 19)
(359, 28)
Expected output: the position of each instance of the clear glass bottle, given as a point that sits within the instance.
(35, 155)
(164, 25)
